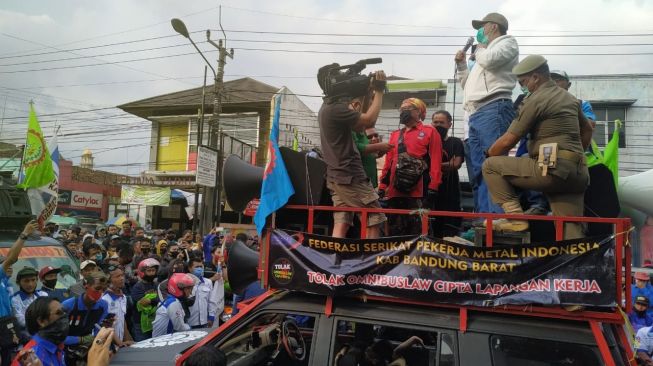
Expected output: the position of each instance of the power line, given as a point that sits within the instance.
(102, 63)
(98, 55)
(293, 43)
(385, 24)
(115, 63)
(124, 31)
(431, 54)
(64, 113)
(395, 35)
(303, 51)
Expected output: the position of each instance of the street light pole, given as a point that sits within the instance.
(209, 203)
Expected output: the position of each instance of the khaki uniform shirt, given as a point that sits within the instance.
(551, 114)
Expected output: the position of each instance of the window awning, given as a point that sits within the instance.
(613, 102)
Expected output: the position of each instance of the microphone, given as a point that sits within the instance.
(469, 43)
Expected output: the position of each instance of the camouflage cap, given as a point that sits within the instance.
(528, 64)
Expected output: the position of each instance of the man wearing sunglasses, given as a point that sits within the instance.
(370, 147)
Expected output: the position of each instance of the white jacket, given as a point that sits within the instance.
(209, 302)
(20, 301)
(491, 75)
(169, 318)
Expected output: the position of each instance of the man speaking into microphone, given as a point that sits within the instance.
(487, 95)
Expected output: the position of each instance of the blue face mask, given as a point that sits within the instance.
(199, 272)
(480, 36)
(98, 257)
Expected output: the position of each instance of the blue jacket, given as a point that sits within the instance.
(58, 293)
(254, 289)
(77, 303)
(207, 245)
(49, 353)
(640, 322)
(5, 294)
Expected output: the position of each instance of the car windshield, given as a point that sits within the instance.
(47, 255)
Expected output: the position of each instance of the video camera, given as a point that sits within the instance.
(347, 81)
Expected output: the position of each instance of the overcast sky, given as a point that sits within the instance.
(417, 39)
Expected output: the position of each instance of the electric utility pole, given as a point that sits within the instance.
(213, 199)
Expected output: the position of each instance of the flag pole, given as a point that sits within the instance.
(22, 156)
(20, 167)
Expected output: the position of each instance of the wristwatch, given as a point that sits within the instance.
(22, 236)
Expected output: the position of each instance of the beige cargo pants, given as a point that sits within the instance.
(505, 174)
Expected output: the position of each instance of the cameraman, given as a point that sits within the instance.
(346, 179)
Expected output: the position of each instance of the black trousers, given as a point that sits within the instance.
(405, 224)
(5, 354)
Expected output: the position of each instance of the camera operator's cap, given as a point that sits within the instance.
(26, 272)
(560, 73)
(491, 18)
(528, 64)
(114, 237)
(643, 300)
(46, 270)
(642, 276)
(87, 263)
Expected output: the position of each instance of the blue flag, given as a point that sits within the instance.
(276, 188)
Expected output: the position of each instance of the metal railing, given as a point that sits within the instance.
(621, 232)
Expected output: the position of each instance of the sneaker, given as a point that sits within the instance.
(510, 225)
(536, 210)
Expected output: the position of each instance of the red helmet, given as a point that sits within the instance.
(145, 264)
(178, 282)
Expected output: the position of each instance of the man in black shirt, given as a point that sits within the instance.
(453, 156)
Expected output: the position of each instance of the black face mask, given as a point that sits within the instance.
(173, 254)
(405, 116)
(145, 251)
(50, 283)
(57, 331)
(148, 278)
(640, 314)
(442, 131)
(189, 301)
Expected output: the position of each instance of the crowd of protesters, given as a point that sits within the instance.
(134, 283)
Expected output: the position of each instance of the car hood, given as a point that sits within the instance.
(163, 350)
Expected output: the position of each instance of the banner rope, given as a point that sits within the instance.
(630, 332)
(622, 233)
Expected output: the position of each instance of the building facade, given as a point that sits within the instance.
(244, 122)
(627, 97)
